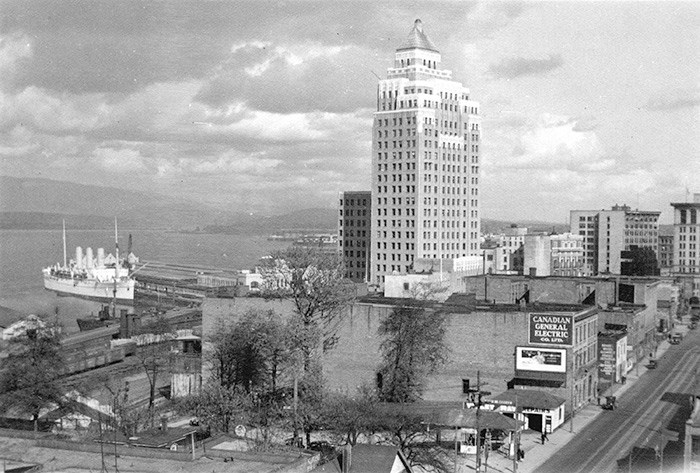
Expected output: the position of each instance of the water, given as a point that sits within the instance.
(23, 254)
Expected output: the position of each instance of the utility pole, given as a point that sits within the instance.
(516, 447)
(477, 460)
(573, 403)
(296, 401)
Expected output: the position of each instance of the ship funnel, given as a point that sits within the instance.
(79, 257)
(89, 261)
(100, 257)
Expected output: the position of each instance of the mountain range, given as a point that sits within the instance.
(29, 203)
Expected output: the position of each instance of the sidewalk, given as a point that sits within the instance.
(536, 453)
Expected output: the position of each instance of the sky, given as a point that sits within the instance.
(267, 107)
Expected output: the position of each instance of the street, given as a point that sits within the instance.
(648, 415)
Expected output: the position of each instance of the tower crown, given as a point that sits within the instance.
(417, 39)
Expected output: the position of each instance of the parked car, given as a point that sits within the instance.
(610, 403)
(652, 364)
(297, 442)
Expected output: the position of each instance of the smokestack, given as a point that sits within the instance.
(89, 258)
(79, 257)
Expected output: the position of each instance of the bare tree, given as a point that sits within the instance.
(153, 354)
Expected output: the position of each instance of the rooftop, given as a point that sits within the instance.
(418, 39)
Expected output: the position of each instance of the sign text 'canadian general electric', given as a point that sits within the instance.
(551, 329)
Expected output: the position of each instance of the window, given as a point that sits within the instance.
(465, 386)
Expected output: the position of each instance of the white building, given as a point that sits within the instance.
(425, 163)
(554, 255)
(607, 233)
(686, 241)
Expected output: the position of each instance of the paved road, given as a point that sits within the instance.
(656, 404)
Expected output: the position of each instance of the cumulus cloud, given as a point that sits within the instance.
(279, 77)
(673, 100)
(514, 67)
(553, 142)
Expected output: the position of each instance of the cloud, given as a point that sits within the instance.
(674, 100)
(553, 141)
(119, 160)
(512, 68)
(13, 49)
(292, 77)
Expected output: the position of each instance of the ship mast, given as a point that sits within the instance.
(116, 266)
(65, 264)
(116, 244)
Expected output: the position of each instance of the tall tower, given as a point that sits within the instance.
(425, 163)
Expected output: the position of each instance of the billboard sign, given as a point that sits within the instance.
(544, 360)
(607, 358)
(551, 329)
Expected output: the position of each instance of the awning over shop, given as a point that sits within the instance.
(467, 418)
(527, 399)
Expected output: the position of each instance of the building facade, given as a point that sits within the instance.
(425, 163)
(607, 233)
(686, 253)
(354, 233)
(554, 255)
(665, 254)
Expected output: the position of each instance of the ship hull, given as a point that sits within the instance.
(91, 289)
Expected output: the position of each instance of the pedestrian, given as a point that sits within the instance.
(545, 436)
(521, 454)
(542, 437)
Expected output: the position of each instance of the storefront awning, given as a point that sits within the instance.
(527, 399)
(467, 418)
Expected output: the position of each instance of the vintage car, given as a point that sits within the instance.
(610, 403)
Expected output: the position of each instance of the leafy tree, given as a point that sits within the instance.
(641, 261)
(349, 417)
(252, 353)
(219, 407)
(30, 375)
(413, 348)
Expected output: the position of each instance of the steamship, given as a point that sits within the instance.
(101, 278)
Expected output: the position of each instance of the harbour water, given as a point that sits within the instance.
(23, 254)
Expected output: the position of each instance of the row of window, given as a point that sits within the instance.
(395, 177)
(410, 212)
(395, 245)
(348, 241)
(394, 234)
(689, 216)
(351, 212)
(397, 189)
(353, 223)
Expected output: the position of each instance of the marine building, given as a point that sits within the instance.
(425, 162)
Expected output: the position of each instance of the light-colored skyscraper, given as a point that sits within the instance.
(425, 163)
